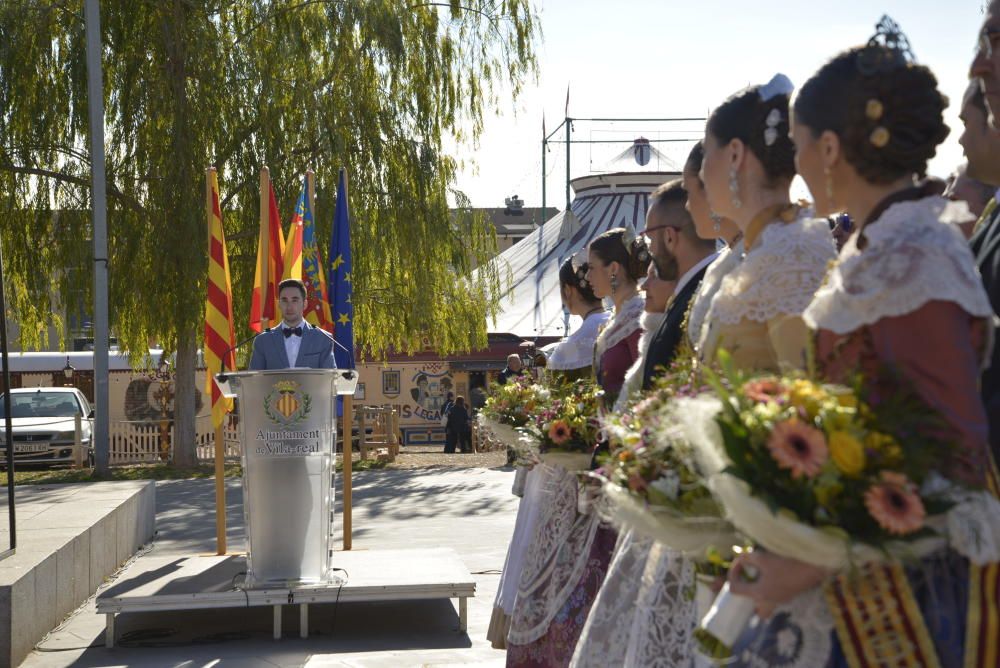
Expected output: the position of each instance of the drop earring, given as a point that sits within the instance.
(734, 188)
(716, 223)
(614, 283)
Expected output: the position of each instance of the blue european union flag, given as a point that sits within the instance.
(339, 287)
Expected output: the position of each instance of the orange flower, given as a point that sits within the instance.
(559, 432)
(895, 505)
(764, 390)
(799, 447)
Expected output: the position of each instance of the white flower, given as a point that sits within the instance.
(669, 484)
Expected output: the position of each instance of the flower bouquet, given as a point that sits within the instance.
(819, 473)
(567, 427)
(652, 481)
(509, 414)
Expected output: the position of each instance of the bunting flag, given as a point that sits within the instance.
(317, 311)
(293, 245)
(339, 280)
(270, 259)
(219, 336)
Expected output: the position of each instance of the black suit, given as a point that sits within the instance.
(663, 346)
(985, 245)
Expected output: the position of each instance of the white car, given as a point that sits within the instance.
(43, 425)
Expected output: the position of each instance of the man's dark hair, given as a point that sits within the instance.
(293, 283)
(674, 194)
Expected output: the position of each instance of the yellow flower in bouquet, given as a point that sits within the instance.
(847, 452)
(807, 396)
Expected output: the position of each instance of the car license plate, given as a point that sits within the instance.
(41, 446)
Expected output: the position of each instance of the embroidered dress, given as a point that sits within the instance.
(574, 354)
(645, 613)
(756, 312)
(569, 556)
(909, 298)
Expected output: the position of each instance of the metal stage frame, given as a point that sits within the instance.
(206, 582)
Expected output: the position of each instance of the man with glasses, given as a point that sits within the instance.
(679, 255)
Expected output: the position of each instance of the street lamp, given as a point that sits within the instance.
(68, 372)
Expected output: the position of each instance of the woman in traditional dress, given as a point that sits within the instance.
(904, 295)
(573, 358)
(756, 312)
(569, 555)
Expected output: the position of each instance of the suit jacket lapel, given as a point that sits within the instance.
(989, 240)
(279, 342)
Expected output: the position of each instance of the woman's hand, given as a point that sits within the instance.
(771, 580)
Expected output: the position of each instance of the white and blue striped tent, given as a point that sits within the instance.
(532, 306)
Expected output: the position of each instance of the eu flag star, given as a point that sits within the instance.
(337, 262)
(347, 277)
(343, 319)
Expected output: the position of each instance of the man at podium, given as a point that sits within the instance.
(295, 343)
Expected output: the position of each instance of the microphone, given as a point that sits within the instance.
(221, 376)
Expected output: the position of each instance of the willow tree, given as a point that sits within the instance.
(377, 86)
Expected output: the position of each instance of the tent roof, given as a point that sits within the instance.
(533, 306)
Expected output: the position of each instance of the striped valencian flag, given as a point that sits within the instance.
(219, 335)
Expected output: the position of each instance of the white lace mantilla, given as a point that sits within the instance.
(556, 557)
(778, 275)
(577, 350)
(624, 323)
(645, 613)
(914, 255)
(718, 270)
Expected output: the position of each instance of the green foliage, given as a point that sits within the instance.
(376, 86)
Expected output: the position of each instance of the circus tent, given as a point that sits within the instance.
(533, 306)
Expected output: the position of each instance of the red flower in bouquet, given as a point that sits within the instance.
(798, 447)
(559, 432)
(764, 390)
(895, 505)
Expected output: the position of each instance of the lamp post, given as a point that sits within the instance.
(68, 372)
(164, 396)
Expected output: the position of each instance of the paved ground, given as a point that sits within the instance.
(468, 509)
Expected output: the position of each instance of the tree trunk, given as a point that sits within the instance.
(185, 454)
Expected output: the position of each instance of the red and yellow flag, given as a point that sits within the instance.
(219, 335)
(293, 245)
(270, 259)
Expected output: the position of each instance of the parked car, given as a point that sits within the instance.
(43, 425)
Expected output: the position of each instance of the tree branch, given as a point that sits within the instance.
(112, 190)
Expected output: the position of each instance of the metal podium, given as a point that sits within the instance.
(288, 430)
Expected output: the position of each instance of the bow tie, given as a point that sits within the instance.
(297, 331)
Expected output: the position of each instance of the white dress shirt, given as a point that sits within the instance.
(292, 343)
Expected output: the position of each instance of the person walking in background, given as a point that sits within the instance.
(458, 427)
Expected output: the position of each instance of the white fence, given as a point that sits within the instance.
(148, 442)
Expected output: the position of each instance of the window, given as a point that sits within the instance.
(390, 383)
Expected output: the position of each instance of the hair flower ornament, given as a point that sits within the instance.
(778, 85)
(771, 127)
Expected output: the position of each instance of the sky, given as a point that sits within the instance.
(671, 59)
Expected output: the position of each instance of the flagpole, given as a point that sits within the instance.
(348, 437)
(220, 451)
(265, 180)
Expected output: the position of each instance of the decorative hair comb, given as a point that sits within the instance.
(887, 50)
(778, 85)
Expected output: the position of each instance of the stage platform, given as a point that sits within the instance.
(213, 582)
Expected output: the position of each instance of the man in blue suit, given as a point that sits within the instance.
(294, 343)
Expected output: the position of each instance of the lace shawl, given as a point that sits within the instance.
(577, 350)
(710, 284)
(778, 275)
(914, 255)
(624, 323)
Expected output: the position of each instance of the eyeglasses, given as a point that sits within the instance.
(987, 41)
